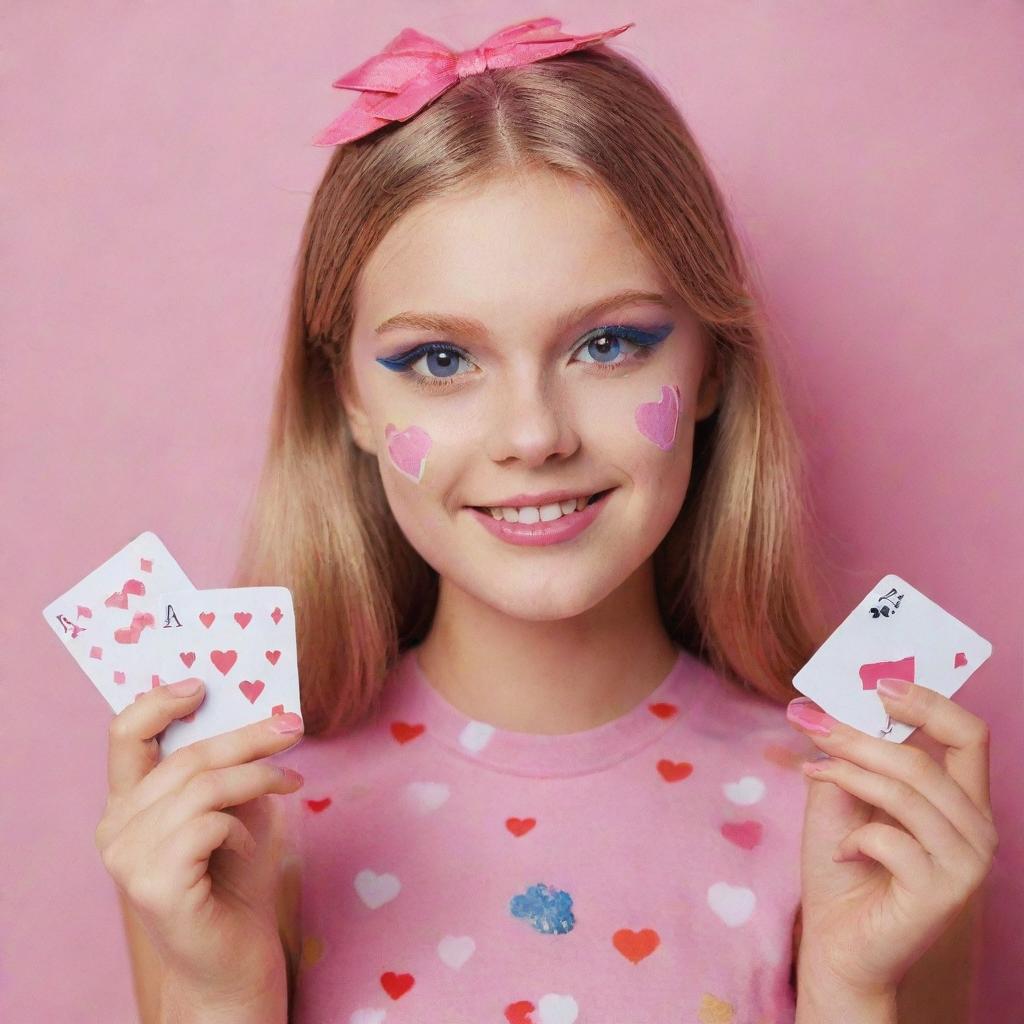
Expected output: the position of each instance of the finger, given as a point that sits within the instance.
(897, 851)
(133, 750)
(914, 767)
(247, 743)
(964, 734)
(216, 790)
(908, 806)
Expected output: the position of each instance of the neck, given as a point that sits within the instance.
(548, 677)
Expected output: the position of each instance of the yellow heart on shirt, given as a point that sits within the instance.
(312, 951)
(714, 1010)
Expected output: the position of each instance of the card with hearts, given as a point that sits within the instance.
(241, 642)
(108, 621)
(898, 633)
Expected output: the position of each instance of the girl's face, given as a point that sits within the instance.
(478, 374)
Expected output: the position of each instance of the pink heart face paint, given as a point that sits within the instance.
(408, 450)
(657, 421)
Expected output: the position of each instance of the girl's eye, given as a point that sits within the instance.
(603, 346)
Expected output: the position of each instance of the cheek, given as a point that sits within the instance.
(408, 450)
(659, 421)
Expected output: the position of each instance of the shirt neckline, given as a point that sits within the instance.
(416, 707)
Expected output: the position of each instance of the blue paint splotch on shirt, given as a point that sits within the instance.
(548, 910)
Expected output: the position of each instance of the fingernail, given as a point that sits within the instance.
(809, 716)
(185, 688)
(894, 687)
(289, 722)
(291, 775)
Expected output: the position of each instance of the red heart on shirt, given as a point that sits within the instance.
(403, 731)
(636, 945)
(519, 1013)
(396, 985)
(520, 826)
(743, 833)
(674, 771)
(316, 806)
(662, 709)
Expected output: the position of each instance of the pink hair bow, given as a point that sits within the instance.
(413, 69)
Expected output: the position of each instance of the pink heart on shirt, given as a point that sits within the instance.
(746, 834)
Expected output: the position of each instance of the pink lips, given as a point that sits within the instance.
(538, 534)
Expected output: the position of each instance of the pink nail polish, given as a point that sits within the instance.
(805, 714)
(289, 722)
(893, 687)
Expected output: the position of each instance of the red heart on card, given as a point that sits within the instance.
(272, 656)
(243, 618)
(224, 660)
(252, 690)
(188, 657)
(206, 618)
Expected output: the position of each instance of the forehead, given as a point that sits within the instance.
(518, 242)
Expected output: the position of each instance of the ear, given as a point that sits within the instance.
(710, 387)
(358, 421)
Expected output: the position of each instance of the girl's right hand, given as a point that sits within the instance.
(198, 876)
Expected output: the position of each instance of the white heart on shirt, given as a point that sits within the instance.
(455, 950)
(476, 735)
(555, 1009)
(732, 903)
(376, 890)
(427, 796)
(747, 791)
(368, 1017)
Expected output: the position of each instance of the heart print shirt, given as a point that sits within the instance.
(646, 871)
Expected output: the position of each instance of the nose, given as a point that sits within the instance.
(532, 421)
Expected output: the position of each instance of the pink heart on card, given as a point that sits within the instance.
(224, 660)
(277, 615)
(243, 618)
(251, 690)
(657, 421)
(408, 449)
(188, 657)
(146, 564)
(960, 659)
(206, 618)
(119, 678)
(83, 612)
(272, 656)
(871, 672)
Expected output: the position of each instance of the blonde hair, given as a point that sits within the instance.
(732, 580)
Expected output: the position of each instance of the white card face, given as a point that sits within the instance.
(241, 642)
(897, 633)
(108, 622)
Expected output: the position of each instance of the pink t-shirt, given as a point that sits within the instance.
(643, 872)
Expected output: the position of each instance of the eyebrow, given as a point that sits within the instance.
(467, 325)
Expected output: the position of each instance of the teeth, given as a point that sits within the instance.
(543, 513)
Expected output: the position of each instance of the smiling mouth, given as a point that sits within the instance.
(486, 510)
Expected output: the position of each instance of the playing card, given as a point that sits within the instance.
(241, 642)
(109, 620)
(896, 633)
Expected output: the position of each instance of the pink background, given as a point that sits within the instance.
(158, 169)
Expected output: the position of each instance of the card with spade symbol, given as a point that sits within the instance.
(894, 633)
(108, 621)
(241, 642)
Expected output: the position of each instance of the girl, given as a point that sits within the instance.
(535, 493)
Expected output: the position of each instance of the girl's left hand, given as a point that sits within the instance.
(893, 851)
